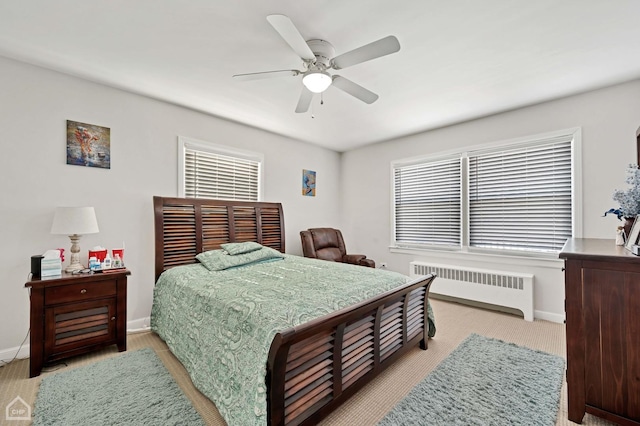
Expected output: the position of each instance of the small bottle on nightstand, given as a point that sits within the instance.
(94, 264)
(106, 264)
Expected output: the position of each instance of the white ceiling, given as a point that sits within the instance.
(459, 59)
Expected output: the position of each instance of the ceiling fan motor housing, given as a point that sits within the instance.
(324, 52)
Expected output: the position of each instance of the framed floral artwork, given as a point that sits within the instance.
(88, 145)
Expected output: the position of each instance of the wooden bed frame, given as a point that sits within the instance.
(314, 367)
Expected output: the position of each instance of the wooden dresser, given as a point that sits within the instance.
(75, 314)
(602, 304)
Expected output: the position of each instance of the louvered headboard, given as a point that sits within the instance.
(185, 227)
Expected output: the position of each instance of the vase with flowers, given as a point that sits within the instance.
(628, 199)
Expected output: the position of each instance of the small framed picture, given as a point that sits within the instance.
(88, 145)
(309, 183)
(632, 239)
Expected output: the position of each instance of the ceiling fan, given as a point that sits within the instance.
(318, 57)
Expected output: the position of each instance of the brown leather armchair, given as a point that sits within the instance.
(328, 244)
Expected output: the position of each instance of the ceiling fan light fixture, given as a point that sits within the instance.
(316, 81)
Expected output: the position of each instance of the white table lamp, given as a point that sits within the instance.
(74, 222)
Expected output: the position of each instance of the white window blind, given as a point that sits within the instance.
(208, 174)
(427, 203)
(520, 197)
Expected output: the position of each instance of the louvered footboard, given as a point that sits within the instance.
(315, 367)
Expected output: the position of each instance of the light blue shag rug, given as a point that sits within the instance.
(129, 389)
(485, 381)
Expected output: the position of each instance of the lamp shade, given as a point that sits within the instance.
(316, 81)
(74, 221)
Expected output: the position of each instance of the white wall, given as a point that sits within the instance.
(34, 106)
(609, 119)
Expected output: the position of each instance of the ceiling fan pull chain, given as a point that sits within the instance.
(322, 98)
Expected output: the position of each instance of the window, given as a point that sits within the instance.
(516, 196)
(212, 171)
(427, 202)
(521, 198)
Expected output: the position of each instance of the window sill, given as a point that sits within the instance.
(541, 260)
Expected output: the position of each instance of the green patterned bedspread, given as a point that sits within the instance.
(220, 324)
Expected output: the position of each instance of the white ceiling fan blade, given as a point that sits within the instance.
(291, 35)
(376, 49)
(266, 74)
(305, 100)
(354, 89)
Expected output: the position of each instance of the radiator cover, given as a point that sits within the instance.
(513, 290)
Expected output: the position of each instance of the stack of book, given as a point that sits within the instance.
(51, 264)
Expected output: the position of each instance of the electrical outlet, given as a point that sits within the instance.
(383, 265)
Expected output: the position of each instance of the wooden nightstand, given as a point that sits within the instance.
(75, 314)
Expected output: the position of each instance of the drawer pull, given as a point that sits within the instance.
(83, 291)
(113, 318)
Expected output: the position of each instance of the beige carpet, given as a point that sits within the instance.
(454, 323)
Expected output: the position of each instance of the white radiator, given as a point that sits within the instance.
(513, 290)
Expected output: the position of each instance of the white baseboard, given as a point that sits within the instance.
(549, 316)
(540, 315)
(133, 326)
(8, 354)
(138, 325)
